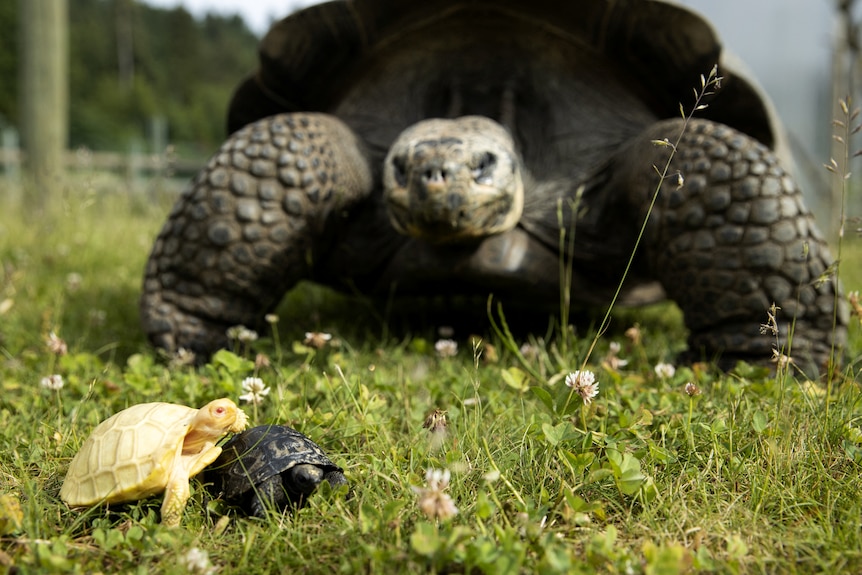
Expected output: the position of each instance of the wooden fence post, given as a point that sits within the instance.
(43, 97)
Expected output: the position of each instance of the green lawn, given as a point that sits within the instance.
(753, 474)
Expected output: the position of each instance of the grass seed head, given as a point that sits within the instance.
(771, 325)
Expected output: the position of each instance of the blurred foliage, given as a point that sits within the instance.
(130, 62)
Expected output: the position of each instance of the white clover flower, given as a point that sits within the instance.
(634, 334)
(612, 359)
(241, 334)
(53, 382)
(529, 351)
(438, 478)
(433, 502)
(182, 357)
(254, 389)
(446, 347)
(197, 561)
(247, 335)
(492, 476)
(261, 360)
(691, 389)
(271, 318)
(97, 317)
(580, 378)
(73, 282)
(56, 344)
(585, 384)
(317, 339)
(664, 370)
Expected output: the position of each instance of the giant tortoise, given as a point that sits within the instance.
(437, 148)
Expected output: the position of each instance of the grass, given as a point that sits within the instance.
(753, 474)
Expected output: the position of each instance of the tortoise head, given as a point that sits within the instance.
(211, 422)
(449, 181)
(303, 479)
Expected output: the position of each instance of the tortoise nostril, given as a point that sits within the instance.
(435, 176)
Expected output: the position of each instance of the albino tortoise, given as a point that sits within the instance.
(146, 449)
(426, 148)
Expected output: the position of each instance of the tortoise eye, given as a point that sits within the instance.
(220, 410)
(399, 170)
(483, 168)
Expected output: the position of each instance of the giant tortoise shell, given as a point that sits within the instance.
(270, 467)
(437, 148)
(147, 449)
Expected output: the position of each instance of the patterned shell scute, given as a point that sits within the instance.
(264, 451)
(128, 456)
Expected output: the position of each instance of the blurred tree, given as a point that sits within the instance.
(130, 62)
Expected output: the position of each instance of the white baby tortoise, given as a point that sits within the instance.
(270, 467)
(147, 449)
(436, 148)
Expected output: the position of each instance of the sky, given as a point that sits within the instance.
(258, 14)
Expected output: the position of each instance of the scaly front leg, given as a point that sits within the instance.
(729, 240)
(243, 232)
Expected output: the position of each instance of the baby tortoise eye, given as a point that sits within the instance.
(483, 168)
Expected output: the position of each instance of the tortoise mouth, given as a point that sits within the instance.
(453, 220)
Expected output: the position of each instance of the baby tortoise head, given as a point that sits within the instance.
(449, 181)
